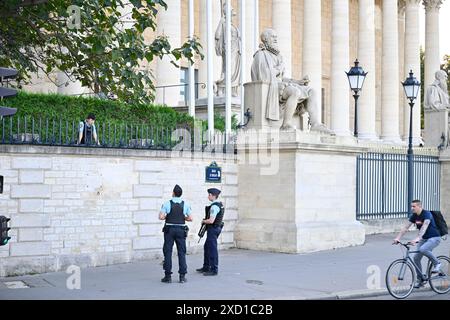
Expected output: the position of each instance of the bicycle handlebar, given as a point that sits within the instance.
(405, 244)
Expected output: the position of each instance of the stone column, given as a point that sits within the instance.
(412, 62)
(390, 64)
(312, 48)
(281, 23)
(340, 53)
(169, 24)
(366, 55)
(401, 58)
(203, 68)
(432, 52)
(250, 34)
(191, 65)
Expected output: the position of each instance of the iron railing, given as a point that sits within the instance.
(382, 186)
(58, 132)
(186, 94)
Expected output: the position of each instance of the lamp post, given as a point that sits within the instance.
(356, 77)
(412, 87)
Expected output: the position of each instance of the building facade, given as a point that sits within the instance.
(320, 39)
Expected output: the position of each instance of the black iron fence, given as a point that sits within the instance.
(59, 132)
(382, 185)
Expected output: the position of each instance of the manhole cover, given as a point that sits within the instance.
(15, 285)
(259, 283)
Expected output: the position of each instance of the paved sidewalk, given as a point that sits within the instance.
(341, 273)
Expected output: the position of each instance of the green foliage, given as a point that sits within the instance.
(219, 123)
(446, 67)
(67, 108)
(88, 40)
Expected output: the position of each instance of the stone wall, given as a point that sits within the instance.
(98, 207)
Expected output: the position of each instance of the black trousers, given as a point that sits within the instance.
(177, 235)
(211, 253)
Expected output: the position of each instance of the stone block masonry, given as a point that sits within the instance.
(98, 207)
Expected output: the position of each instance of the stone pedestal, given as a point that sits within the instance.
(298, 195)
(436, 126)
(445, 184)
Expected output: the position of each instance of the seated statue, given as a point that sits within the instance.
(293, 96)
(436, 97)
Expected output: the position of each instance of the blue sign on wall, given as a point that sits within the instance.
(213, 173)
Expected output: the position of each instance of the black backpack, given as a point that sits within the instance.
(440, 222)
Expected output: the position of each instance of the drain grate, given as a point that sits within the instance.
(257, 282)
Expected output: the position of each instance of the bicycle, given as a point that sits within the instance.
(402, 274)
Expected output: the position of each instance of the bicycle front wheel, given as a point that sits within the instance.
(400, 278)
(440, 282)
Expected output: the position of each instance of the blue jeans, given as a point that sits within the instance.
(425, 247)
(211, 254)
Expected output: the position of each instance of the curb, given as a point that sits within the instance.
(358, 294)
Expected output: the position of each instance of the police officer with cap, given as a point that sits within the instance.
(214, 223)
(175, 213)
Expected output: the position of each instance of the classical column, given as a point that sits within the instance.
(191, 66)
(250, 35)
(203, 65)
(366, 55)
(432, 52)
(255, 25)
(281, 23)
(312, 48)
(228, 67)
(210, 65)
(401, 59)
(412, 62)
(243, 27)
(391, 82)
(340, 53)
(169, 24)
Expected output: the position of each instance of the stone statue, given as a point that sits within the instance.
(235, 54)
(436, 97)
(293, 96)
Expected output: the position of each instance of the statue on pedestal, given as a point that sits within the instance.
(437, 107)
(293, 96)
(220, 38)
(436, 97)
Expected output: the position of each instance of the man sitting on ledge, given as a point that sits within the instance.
(268, 67)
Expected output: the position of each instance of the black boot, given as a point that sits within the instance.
(183, 278)
(201, 270)
(210, 273)
(167, 279)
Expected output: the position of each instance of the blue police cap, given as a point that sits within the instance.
(177, 190)
(214, 191)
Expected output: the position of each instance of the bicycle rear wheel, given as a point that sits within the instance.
(400, 278)
(440, 282)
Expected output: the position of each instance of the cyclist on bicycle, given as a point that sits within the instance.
(428, 239)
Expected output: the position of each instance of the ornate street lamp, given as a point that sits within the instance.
(412, 89)
(356, 77)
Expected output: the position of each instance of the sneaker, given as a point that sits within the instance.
(210, 273)
(167, 279)
(437, 268)
(419, 284)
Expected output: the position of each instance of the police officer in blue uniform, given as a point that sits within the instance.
(175, 213)
(214, 223)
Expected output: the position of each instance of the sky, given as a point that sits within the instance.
(444, 29)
